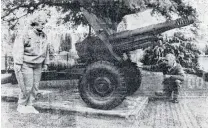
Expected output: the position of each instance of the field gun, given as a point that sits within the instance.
(108, 78)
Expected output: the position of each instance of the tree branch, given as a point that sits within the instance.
(17, 18)
(35, 5)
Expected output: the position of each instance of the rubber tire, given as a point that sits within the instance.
(105, 69)
(132, 77)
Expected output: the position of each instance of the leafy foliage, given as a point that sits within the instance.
(110, 10)
(65, 42)
(185, 52)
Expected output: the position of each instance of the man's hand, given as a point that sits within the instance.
(17, 67)
(167, 76)
(45, 67)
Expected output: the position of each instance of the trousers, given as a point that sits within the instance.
(172, 87)
(28, 81)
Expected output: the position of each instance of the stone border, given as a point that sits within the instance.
(131, 107)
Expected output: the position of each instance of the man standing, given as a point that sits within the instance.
(31, 54)
(173, 77)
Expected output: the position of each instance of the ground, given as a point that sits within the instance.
(191, 112)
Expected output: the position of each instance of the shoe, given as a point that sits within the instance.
(21, 108)
(175, 101)
(26, 109)
(162, 93)
(32, 109)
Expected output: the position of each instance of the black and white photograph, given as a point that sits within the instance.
(104, 64)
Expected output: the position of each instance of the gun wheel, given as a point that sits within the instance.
(102, 86)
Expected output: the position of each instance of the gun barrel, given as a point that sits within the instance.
(154, 29)
(136, 43)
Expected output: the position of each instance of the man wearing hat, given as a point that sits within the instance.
(31, 55)
(173, 77)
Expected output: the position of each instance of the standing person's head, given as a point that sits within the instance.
(38, 23)
(170, 59)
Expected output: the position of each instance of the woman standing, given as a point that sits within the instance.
(31, 55)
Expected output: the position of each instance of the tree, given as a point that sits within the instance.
(66, 42)
(110, 10)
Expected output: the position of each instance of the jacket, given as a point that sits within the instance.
(31, 47)
(176, 72)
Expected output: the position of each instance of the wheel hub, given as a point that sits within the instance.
(103, 86)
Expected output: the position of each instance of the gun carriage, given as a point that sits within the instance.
(108, 78)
